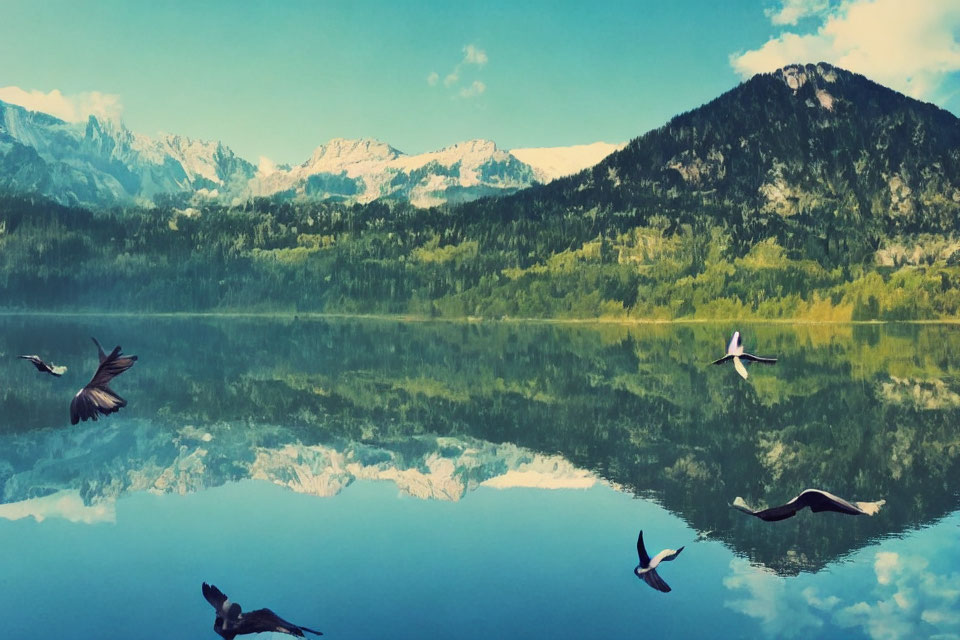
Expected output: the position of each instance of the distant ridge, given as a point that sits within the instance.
(101, 163)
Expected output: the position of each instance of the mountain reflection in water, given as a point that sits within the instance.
(866, 412)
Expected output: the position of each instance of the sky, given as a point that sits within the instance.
(276, 79)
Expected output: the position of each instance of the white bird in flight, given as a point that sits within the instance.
(735, 352)
(817, 499)
(647, 569)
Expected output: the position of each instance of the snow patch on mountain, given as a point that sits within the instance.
(550, 163)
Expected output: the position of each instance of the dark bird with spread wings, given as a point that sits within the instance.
(232, 622)
(647, 569)
(817, 500)
(735, 353)
(44, 367)
(97, 397)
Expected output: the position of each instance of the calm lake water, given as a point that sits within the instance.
(376, 479)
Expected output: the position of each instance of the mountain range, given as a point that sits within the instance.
(810, 191)
(102, 163)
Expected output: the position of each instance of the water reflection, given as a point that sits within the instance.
(78, 473)
(866, 412)
(909, 589)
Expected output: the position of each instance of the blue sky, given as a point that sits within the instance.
(276, 79)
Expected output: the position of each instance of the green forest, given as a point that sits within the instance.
(457, 262)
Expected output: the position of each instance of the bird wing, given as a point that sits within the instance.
(100, 352)
(214, 596)
(742, 370)
(753, 358)
(266, 620)
(772, 514)
(642, 552)
(668, 554)
(653, 579)
(110, 368)
(819, 500)
(38, 363)
(721, 360)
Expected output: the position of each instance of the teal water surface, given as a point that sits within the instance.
(376, 479)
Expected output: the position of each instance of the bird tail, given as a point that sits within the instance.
(91, 401)
(741, 505)
(738, 365)
(870, 508)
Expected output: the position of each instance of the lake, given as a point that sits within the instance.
(386, 479)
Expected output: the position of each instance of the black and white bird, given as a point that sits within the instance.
(44, 367)
(232, 622)
(97, 397)
(817, 500)
(735, 353)
(647, 569)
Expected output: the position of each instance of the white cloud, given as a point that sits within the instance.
(912, 602)
(909, 46)
(792, 11)
(781, 611)
(265, 167)
(66, 504)
(72, 108)
(823, 604)
(473, 90)
(474, 55)
(885, 563)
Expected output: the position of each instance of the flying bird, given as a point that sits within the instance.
(735, 352)
(97, 397)
(817, 500)
(231, 622)
(647, 569)
(43, 367)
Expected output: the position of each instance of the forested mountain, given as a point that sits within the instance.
(824, 160)
(808, 192)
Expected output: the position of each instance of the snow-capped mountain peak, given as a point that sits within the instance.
(102, 163)
(340, 153)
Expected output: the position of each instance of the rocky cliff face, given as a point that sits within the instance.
(102, 163)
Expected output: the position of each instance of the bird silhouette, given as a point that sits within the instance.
(647, 569)
(735, 353)
(817, 500)
(96, 397)
(44, 367)
(231, 621)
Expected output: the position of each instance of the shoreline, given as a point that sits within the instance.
(409, 318)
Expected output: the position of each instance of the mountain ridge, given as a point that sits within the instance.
(102, 163)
